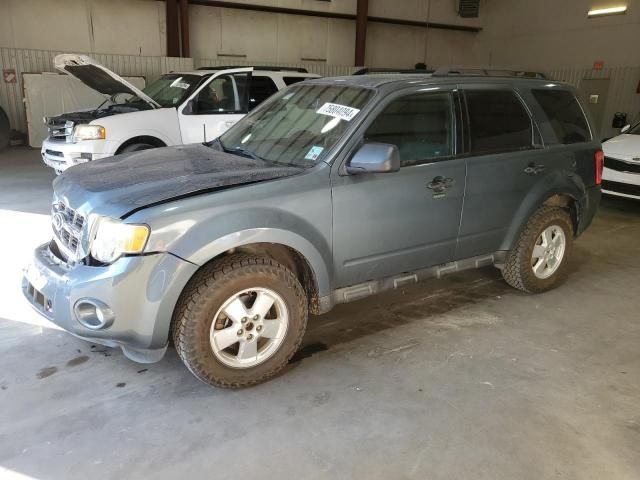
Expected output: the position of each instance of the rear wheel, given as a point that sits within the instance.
(239, 321)
(538, 261)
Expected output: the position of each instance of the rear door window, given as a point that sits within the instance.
(420, 125)
(261, 89)
(563, 115)
(498, 122)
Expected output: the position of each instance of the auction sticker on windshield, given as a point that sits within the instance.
(338, 111)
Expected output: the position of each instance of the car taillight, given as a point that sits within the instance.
(599, 160)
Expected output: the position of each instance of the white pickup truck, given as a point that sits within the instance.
(178, 108)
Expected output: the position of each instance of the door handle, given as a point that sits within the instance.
(534, 168)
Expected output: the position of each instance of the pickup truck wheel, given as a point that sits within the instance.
(538, 261)
(239, 321)
(136, 147)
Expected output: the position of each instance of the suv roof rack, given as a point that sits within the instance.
(257, 67)
(487, 71)
(367, 70)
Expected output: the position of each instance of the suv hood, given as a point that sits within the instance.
(117, 185)
(97, 77)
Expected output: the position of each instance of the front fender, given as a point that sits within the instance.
(557, 183)
(269, 235)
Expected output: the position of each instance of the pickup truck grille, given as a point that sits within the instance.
(68, 226)
(60, 129)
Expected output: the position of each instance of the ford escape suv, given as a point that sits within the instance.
(332, 190)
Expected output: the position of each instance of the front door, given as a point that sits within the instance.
(215, 107)
(389, 223)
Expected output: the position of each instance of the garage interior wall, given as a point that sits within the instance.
(129, 36)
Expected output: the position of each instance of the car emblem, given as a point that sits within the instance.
(57, 221)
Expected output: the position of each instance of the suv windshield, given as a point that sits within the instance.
(171, 89)
(298, 124)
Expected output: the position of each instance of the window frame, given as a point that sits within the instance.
(457, 128)
(205, 84)
(536, 137)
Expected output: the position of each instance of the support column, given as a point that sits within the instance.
(184, 28)
(173, 38)
(361, 31)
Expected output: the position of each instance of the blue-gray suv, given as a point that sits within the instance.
(332, 190)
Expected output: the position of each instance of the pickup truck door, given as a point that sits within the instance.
(389, 223)
(219, 103)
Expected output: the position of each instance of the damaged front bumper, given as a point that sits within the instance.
(140, 292)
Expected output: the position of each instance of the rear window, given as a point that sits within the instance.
(498, 122)
(564, 116)
(291, 80)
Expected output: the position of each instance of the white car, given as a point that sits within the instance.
(621, 174)
(178, 108)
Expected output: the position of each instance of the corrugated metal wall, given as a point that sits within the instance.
(622, 91)
(622, 96)
(38, 61)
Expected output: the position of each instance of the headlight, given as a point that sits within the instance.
(89, 132)
(114, 238)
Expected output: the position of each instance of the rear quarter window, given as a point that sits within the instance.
(498, 122)
(564, 117)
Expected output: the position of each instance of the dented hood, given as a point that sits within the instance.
(115, 186)
(97, 77)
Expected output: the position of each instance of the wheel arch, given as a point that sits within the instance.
(566, 196)
(150, 139)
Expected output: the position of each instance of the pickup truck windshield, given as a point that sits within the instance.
(171, 89)
(298, 124)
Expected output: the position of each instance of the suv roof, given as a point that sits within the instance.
(394, 81)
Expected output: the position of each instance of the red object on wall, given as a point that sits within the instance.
(598, 65)
(9, 75)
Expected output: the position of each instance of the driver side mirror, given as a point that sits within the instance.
(625, 128)
(375, 158)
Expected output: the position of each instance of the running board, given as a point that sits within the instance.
(372, 287)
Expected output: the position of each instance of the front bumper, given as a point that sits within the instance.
(142, 292)
(621, 183)
(61, 155)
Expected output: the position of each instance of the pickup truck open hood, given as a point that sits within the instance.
(97, 77)
(117, 185)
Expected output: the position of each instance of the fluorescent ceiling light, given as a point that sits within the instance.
(607, 11)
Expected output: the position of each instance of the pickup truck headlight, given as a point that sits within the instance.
(114, 238)
(89, 132)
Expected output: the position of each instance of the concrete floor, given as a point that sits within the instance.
(452, 379)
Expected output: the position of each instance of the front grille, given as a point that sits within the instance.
(54, 153)
(621, 165)
(38, 298)
(60, 129)
(618, 187)
(68, 226)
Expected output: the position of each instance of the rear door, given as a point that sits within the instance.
(506, 160)
(216, 106)
(389, 223)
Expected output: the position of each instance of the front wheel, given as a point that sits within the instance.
(538, 261)
(239, 321)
